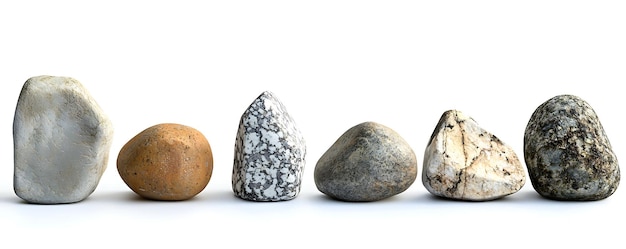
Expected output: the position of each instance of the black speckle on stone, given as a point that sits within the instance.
(269, 153)
(567, 152)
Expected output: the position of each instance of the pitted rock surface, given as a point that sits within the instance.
(567, 152)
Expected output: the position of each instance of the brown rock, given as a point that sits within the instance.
(166, 162)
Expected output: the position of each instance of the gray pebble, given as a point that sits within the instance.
(369, 162)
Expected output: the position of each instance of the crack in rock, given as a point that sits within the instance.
(468, 162)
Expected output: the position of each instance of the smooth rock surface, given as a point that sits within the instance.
(567, 152)
(369, 162)
(61, 141)
(170, 162)
(463, 161)
(269, 153)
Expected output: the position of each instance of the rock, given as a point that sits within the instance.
(170, 162)
(464, 162)
(369, 162)
(269, 153)
(61, 141)
(567, 152)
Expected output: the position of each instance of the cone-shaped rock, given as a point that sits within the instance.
(567, 152)
(369, 162)
(61, 141)
(464, 162)
(269, 153)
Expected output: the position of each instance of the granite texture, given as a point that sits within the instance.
(61, 141)
(369, 162)
(269, 152)
(465, 162)
(567, 152)
(170, 162)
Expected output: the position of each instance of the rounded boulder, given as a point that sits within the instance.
(166, 162)
(369, 162)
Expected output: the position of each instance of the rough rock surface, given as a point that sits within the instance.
(170, 162)
(567, 152)
(61, 141)
(369, 162)
(464, 162)
(269, 153)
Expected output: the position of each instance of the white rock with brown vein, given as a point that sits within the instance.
(463, 161)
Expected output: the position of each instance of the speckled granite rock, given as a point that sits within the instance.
(464, 162)
(567, 152)
(61, 141)
(369, 162)
(269, 153)
(170, 162)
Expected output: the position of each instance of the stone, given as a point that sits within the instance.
(61, 141)
(369, 162)
(464, 162)
(269, 152)
(567, 152)
(168, 162)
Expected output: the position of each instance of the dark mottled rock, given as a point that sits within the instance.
(567, 152)
(369, 162)
(269, 153)
(463, 161)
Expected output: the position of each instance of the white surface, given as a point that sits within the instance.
(333, 64)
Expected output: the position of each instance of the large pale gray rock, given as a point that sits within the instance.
(567, 152)
(61, 141)
(269, 153)
(369, 162)
(464, 162)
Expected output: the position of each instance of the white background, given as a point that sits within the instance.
(333, 64)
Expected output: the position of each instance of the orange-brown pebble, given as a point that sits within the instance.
(166, 162)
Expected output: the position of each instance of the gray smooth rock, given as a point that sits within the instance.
(269, 153)
(369, 162)
(567, 152)
(463, 161)
(61, 141)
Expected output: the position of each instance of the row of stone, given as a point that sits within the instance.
(62, 140)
